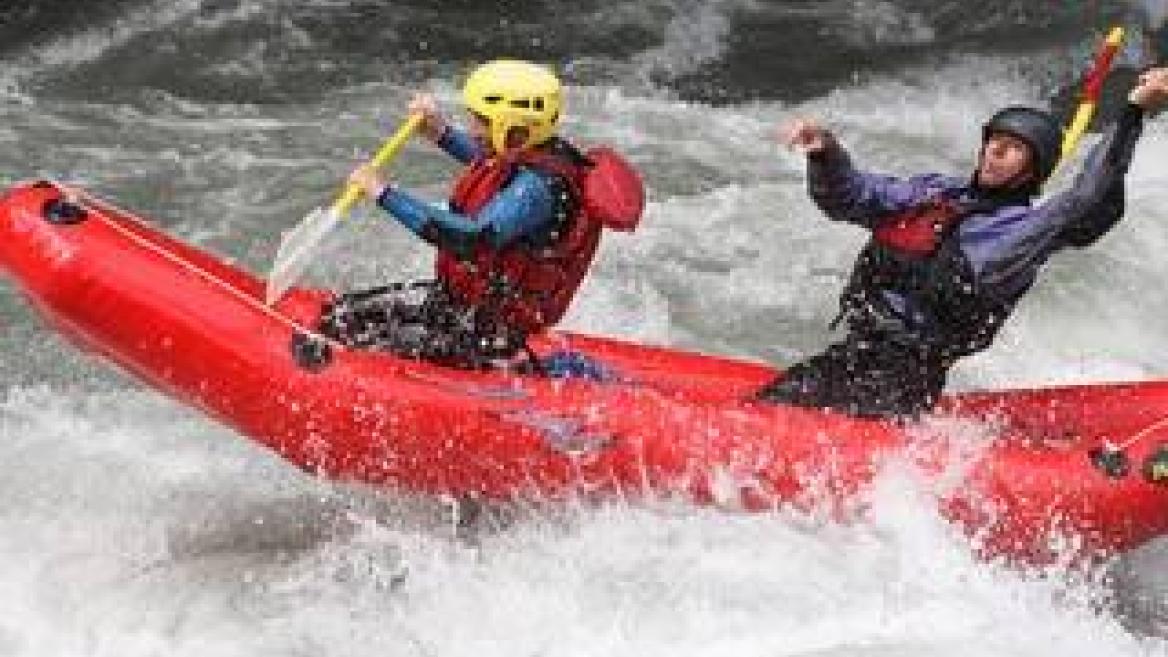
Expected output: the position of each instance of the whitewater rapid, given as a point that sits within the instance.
(133, 526)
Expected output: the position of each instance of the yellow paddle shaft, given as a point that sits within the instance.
(1086, 108)
(384, 154)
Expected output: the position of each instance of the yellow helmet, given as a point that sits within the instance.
(510, 94)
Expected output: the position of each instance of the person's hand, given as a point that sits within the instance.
(805, 135)
(370, 180)
(433, 123)
(1151, 91)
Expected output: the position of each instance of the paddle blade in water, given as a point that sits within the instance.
(296, 251)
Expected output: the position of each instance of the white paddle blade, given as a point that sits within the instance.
(296, 250)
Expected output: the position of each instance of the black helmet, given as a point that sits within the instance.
(1039, 129)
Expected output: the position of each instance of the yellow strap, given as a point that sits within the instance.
(384, 154)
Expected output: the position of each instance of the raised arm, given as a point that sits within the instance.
(843, 192)
(1095, 202)
(1005, 250)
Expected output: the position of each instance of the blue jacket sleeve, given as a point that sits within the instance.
(459, 145)
(523, 208)
(845, 194)
(1005, 249)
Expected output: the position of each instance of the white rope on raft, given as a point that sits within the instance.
(240, 295)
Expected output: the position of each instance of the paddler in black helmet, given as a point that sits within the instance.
(948, 257)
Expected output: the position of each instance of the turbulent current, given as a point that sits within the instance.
(130, 525)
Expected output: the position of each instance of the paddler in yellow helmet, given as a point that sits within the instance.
(516, 237)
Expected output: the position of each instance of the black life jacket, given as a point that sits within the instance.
(917, 256)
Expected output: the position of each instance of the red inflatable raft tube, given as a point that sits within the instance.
(1085, 465)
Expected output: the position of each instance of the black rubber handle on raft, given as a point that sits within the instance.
(60, 212)
(311, 352)
(1112, 462)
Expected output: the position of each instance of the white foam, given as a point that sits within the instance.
(132, 527)
(695, 35)
(1155, 11)
(80, 47)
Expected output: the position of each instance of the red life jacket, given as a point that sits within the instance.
(526, 286)
(918, 231)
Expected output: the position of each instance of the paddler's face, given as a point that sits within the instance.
(480, 130)
(1006, 161)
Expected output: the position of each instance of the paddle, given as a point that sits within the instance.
(1092, 87)
(298, 245)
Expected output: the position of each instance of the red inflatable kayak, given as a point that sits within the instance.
(1082, 466)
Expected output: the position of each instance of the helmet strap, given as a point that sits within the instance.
(1011, 193)
(517, 137)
